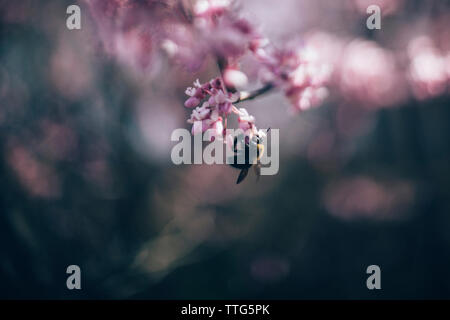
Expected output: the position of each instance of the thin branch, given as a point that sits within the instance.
(250, 95)
(244, 95)
(221, 64)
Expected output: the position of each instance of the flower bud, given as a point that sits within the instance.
(234, 78)
(191, 102)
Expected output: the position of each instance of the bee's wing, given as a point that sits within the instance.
(242, 175)
(257, 168)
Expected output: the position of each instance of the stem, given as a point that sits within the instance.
(250, 95)
(221, 63)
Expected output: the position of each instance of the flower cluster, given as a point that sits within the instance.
(305, 84)
(212, 105)
(129, 30)
(214, 90)
(294, 68)
(215, 30)
(429, 70)
(299, 71)
(379, 85)
(189, 32)
(216, 105)
(247, 124)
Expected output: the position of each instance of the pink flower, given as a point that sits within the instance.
(217, 105)
(201, 113)
(369, 75)
(427, 70)
(217, 129)
(215, 30)
(133, 30)
(306, 98)
(234, 78)
(204, 118)
(192, 102)
(183, 46)
(305, 86)
(299, 70)
(128, 29)
(211, 7)
(196, 94)
(246, 123)
(223, 101)
(213, 92)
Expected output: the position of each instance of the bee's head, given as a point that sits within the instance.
(256, 139)
(260, 136)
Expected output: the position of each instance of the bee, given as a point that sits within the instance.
(255, 141)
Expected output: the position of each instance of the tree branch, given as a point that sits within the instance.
(250, 95)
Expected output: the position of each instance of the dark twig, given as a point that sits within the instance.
(249, 95)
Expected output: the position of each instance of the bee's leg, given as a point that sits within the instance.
(242, 175)
(257, 168)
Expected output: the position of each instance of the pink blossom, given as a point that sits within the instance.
(222, 100)
(247, 123)
(192, 102)
(217, 105)
(427, 70)
(196, 93)
(298, 69)
(127, 28)
(234, 78)
(132, 29)
(182, 44)
(211, 7)
(304, 98)
(369, 74)
(204, 118)
(226, 37)
(215, 30)
(217, 129)
(221, 30)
